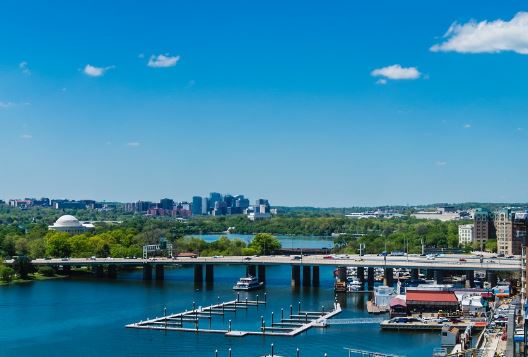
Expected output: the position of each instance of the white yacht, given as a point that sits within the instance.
(354, 285)
(248, 283)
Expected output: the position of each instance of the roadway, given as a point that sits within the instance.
(446, 262)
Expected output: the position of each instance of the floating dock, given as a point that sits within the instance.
(189, 321)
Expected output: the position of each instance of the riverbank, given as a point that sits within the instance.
(32, 278)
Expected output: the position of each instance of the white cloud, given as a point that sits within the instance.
(141, 55)
(93, 71)
(467, 126)
(396, 72)
(6, 104)
(24, 68)
(26, 136)
(381, 81)
(487, 36)
(163, 61)
(133, 144)
(440, 163)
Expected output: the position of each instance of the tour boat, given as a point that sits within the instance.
(248, 283)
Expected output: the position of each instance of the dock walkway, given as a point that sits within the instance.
(188, 321)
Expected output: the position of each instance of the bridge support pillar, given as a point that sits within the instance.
(491, 277)
(414, 274)
(262, 273)
(315, 275)
(209, 273)
(439, 276)
(112, 271)
(66, 269)
(98, 271)
(470, 279)
(370, 278)
(388, 277)
(361, 274)
(429, 274)
(198, 273)
(251, 270)
(160, 272)
(296, 276)
(307, 275)
(147, 272)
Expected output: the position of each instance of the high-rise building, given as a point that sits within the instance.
(197, 205)
(205, 205)
(213, 198)
(482, 226)
(520, 231)
(465, 234)
(166, 204)
(504, 231)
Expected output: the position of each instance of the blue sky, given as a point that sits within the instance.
(339, 103)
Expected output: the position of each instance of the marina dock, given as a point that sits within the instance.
(189, 321)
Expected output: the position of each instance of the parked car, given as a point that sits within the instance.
(462, 260)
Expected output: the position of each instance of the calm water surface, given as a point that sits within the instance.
(286, 241)
(86, 317)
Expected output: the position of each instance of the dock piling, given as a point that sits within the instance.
(297, 353)
(229, 325)
(272, 350)
(282, 313)
(299, 308)
(272, 318)
(291, 310)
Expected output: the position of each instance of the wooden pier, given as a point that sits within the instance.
(189, 321)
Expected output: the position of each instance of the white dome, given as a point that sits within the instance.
(67, 221)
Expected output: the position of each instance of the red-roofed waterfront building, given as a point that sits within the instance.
(431, 301)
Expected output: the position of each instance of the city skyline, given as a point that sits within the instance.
(305, 105)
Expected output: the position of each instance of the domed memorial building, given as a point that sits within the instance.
(70, 224)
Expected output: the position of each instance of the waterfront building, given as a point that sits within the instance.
(431, 301)
(70, 224)
(465, 234)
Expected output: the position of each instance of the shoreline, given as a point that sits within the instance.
(36, 277)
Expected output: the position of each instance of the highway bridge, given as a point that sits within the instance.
(308, 264)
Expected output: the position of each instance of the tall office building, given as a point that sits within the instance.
(482, 226)
(197, 205)
(214, 197)
(205, 205)
(504, 231)
(166, 204)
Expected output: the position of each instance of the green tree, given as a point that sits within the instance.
(37, 249)
(6, 273)
(22, 246)
(46, 271)
(265, 243)
(22, 266)
(58, 244)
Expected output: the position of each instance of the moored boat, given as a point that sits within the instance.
(248, 283)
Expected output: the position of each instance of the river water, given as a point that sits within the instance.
(286, 241)
(86, 317)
